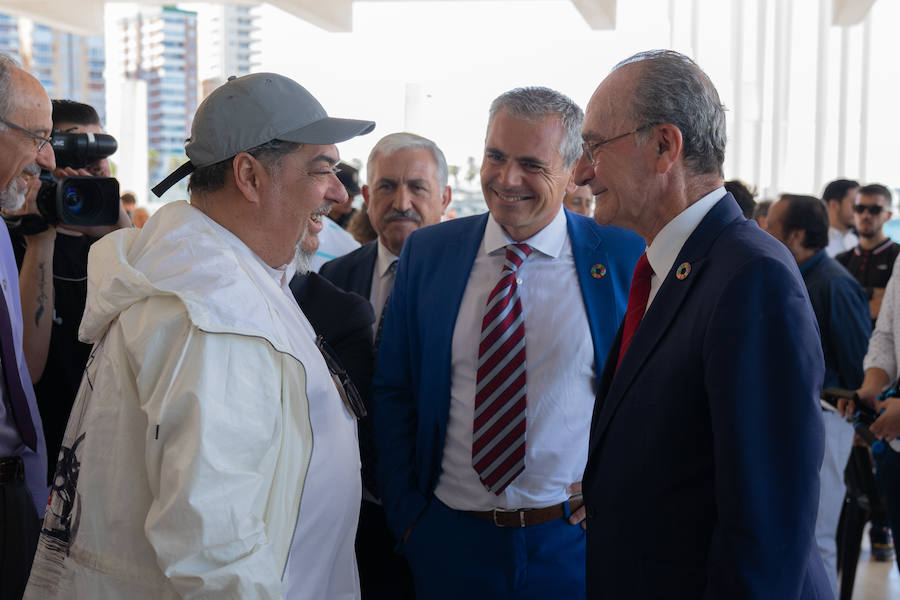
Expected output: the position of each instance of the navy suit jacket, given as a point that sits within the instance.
(345, 320)
(352, 272)
(411, 389)
(702, 478)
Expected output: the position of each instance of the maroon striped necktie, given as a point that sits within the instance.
(498, 441)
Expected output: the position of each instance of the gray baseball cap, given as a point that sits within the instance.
(248, 111)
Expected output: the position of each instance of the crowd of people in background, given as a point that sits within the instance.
(606, 386)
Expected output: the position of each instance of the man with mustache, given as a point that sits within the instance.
(496, 330)
(25, 125)
(406, 189)
(209, 452)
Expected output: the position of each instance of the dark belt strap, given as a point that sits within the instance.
(12, 470)
(526, 517)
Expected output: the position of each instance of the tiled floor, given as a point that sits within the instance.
(875, 580)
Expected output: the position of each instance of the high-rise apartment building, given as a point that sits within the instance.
(159, 46)
(226, 34)
(10, 37)
(69, 66)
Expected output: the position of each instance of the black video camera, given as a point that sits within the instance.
(79, 200)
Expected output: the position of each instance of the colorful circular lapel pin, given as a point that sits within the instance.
(598, 271)
(684, 269)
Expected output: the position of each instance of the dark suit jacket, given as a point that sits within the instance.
(353, 271)
(345, 320)
(702, 478)
(411, 390)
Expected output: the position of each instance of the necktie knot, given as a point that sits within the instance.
(642, 270)
(392, 269)
(515, 256)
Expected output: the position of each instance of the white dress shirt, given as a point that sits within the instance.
(560, 374)
(322, 559)
(661, 254)
(382, 281)
(839, 241)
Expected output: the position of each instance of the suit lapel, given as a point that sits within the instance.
(663, 310)
(597, 292)
(362, 273)
(445, 275)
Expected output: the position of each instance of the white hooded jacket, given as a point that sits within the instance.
(187, 448)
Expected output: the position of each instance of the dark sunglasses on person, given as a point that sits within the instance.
(874, 209)
(346, 388)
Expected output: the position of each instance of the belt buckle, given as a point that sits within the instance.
(508, 510)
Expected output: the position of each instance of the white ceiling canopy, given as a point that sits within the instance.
(331, 15)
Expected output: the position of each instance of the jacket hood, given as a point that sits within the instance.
(181, 252)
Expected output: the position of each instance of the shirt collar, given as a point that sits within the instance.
(661, 254)
(383, 260)
(815, 259)
(548, 241)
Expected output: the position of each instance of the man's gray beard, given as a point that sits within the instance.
(302, 260)
(12, 198)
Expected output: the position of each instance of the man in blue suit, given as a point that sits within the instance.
(707, 434)
(842, 312)
(496, 329)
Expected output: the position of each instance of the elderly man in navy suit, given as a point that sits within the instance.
(496, 329)
(707, 434)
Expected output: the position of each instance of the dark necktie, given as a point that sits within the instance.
(637, 303)
(391, 270)
(366, 436)
(498, 434)
(15, 393)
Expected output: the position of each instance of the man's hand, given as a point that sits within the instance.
(70, 172)
(875, 380)
(576, 502)
(887, 425)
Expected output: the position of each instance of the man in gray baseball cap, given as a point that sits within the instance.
(188, 467)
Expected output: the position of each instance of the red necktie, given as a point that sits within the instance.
(498, 440)
(637, 302)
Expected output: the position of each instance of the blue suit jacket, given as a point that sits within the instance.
(411, 389)
(352, 272)
(702, 478)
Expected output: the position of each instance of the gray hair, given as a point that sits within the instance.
(535, 103)
(211, 178)
(7, 64)
(408, 141)
(671, 88)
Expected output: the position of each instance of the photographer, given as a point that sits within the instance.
(52, 308)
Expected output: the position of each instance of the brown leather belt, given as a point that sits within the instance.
(11, 470)
(526, 517)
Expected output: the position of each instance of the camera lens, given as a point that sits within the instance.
(73, 200)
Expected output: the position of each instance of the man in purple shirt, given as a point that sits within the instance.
(25, 125)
